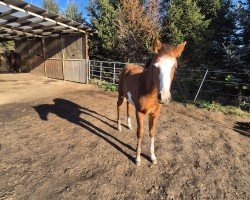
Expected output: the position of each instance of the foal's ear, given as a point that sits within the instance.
(178, 49)
(156, 45)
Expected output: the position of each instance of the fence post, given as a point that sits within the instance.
(200, 86)
(92, 69)
(114, 74)
(89, 69)
(100, 71)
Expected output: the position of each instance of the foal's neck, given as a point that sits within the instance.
(149, 81)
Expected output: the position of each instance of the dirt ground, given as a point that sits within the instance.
(58, 140)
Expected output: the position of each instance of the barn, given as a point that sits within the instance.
(47, 44)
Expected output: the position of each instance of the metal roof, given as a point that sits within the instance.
(20, 19)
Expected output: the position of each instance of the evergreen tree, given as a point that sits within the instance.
(103, 14)
(236, 56)
(51, 5)
(205, 24)
(222, 29)
(72, 12)
(184, 21)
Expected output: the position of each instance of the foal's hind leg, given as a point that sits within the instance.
(152, 132)
(119, 104)
(140, 118)
(128, 116)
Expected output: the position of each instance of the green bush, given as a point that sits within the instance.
(105, 85)
(228, 110)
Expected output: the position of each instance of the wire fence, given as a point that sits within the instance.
(190, 84)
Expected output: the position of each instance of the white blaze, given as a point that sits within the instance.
(165, 65)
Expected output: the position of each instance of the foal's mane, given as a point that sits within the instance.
(147, 64)
(165, 49)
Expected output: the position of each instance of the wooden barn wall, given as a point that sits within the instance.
(37, 66)
(75, 71)
(54, 69)
(53, 47)
(36, 56)
(74, 47)
(60, 57)
(75, 68)
(22, 47)
(53, 55)
(35, 48)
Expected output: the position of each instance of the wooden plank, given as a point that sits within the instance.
(75, 71)
(54, 69)
(59, 71)
(53, 47)
(73, 47)
(37, 66)
(21, 47)
(35, 47)
(85, 47)
(84, 72)
(63, 54)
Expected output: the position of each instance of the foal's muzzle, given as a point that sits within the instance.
(164, 98)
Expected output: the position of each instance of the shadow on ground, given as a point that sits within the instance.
(71, 112)
(243, 128)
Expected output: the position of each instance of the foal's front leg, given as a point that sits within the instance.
(128, 116)
(152, 131)
(140, 117)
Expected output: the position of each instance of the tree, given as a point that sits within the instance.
(236, 55)
(243, 14)
(205, 24)
(125, 28)
(222, 30)
(51, 5)
(72, 12)
(184, 21)
(137, 25)
(103, 14)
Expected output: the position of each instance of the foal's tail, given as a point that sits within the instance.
(121, 96)
(121, 83)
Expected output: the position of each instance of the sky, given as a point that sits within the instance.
(81, 4)
(62, 3)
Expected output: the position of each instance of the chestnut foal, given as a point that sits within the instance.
(147, 89)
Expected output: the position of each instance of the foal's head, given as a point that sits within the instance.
(165, 63)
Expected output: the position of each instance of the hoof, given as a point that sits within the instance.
(130, 127)
(154, 162)
(153, 159)
(137, 162)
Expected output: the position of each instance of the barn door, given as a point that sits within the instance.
(75, 70)
(74, 66)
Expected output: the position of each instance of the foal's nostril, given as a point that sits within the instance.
(159, 97)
